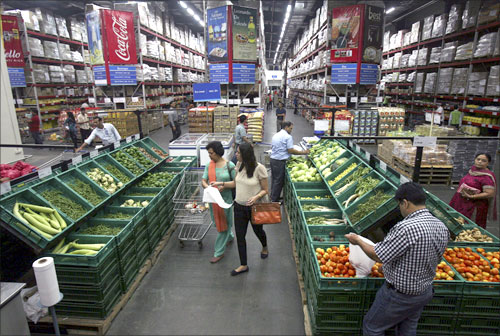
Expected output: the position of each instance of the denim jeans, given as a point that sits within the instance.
(392, 308)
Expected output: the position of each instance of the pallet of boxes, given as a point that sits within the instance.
(225, 119)
(201, 119)
(124, 122)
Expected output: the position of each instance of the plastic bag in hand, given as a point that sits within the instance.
(359, 260)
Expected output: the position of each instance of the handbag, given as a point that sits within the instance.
(266, 213)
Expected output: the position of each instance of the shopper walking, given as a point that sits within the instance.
(105, 131)
(439, 112)
(280, 117)
(251, 186)
(82, 120)
(281, 150)
(477, 191)
(34, 126)
(220, 170)
(70, 125)
(269, 102)
(410, 254)
(455, 118)
(173, 120)
(240, 136)
(295, 105)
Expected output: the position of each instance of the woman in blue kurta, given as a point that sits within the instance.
(220, 170)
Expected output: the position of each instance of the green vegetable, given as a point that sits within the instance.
(70, 208)
(102, 229)
(83, 252)
(105, 181)
(40, 226)
(36, 208)
(94, 247)
(117, 215)
(86, 191)
(142, 194)
(343, 174)
(156, 180)
(369, 205)
(315, 207)
(320, 220)
(146, 154)
(117, 173)
(58, 246)
(137, 155)
(127, 162)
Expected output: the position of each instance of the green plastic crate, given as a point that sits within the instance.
(352, 189)
(106, 161)
(321, 193)
(329, 203)
(143, 253)
(477, 326)
(435, 323)
(28, 196)
(69, 177)
(442, 214)
(330, 214)
(131, 163)
(152, 144)
(496, 241)
(56, 184)
(154, 155)
(129, 276)
(142, 191)
(83, 275)
(308, 185)
(323, 231)
(188, 161)
(86, 293)
(340, 170)
(338, 320)
(481, 306)
(120, 200)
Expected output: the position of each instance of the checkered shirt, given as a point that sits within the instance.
(411, 251)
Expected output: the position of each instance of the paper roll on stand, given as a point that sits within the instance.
(46, 281)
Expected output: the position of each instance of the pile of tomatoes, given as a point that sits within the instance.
(334, 262)
(470, 265)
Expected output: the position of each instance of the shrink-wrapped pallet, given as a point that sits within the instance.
(448, 52)
(454, 19)
(427, 28)
(35, 47)
(430, 82)
(493, 88)
(477, 83)
(464, 51)
(445, 79)
(419, 82)
(439, 25)
(415, 32)
(422, 57)
(459, 81)
(435, 55)
(486, 45)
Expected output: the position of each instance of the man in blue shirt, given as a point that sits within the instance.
(280, 117)
(281, 150)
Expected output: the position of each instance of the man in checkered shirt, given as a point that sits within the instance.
(409, 253)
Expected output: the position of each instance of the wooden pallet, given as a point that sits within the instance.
(78, 326)
(435, 174)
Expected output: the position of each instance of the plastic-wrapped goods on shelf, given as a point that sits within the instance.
(30, 20)
(404, 61)
(152, 49)
(40, 73)
(419, 82)
(76, 56)
(86, 56)
(154, 74)
(430, 82)
(493, 88)
(386, 43)
(62, 29)
(412, 61)
(415, 32)
(459, 81)
(402, 77)
(69, 73)
(384, 66)
(435, 55)
(169, 75)
(81, 76)
(439, 25)
(406, 39)
(90, 74)
(470, 13)
(496, 52)
(486, 45)
(50, 49)
(445, 78)
(35, 47)
(427, 28)
(65, 52)
(161, 51)
(422, 56)
(396, 60)
(74, 28)
(83, 29)
(411, 76)
(395, 77)
(159, 24)
(161, 74)
(489, 13)
(454, 19)
(477, 83)
(448, 52)
(143, 44)
(392, 41)
(464, 51)
(56, 74)
(400, 38)
(48, 23)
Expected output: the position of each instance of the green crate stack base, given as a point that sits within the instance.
(142, 242)
(477, 326)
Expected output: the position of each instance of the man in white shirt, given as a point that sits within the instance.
(106, 132)
(440, 113)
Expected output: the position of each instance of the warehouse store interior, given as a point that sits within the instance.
(125, 125)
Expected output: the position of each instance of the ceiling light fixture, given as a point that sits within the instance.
(183, 4)
(192, 13)
(390, 10)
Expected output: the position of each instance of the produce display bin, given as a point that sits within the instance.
(188, 161)
(90, 294)
(86, 275)
(107, 163)
(340, 170)
(71, 176)
(315, 232)
(495, 243)
(477, 326)
(335, 164)
(150, 143)
(313, 194)
(29, 197)
(143, 191)
(352, 189)
(141, 144)
(135, 214)
(129, 162)
(437, 210)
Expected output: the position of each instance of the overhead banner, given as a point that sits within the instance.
(346, 33)
(244, 30)
(123, 75)
(96, 52)
(344, 73)
(17, 77)
(11, 41)
(206, 92)
(368, 74)
(217, 34)
(373, 31)
(219, 73)
(120, 36)
(243, 73)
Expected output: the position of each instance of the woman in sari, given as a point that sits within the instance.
(220, 170)
(476, 191)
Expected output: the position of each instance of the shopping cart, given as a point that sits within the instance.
(191, 214)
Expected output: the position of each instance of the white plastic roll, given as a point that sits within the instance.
(46, 281)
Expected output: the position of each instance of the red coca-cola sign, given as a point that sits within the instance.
(120, 36)
(12, 41)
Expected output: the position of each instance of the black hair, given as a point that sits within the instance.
(485, 154)
(286, 124)
(99, 118)
(82, 109)
(412, 192)
(33, 110)
(456, 107)
(217, 147)
(243, 118)
(71, 116)
(248, 160)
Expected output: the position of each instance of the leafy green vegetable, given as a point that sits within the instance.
(102, 230)
(137, 155)
(86, 191)
(156, 180)
(320, 220)
(117, 173)
(127, 162)
(315, 207)
(142, 194)
(117, 215)
(70, 208)
(370, 205)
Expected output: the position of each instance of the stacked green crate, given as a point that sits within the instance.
(90, 283)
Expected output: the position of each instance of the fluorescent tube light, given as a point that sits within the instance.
(183, 4)
(390, 10)
(190, 11)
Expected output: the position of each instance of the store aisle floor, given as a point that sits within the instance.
(185, 294)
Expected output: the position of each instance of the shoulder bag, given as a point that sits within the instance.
(266, 213)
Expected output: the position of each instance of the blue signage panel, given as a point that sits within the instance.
(100, 75)
(369, 74)
(243, 73)
(219, 73)
(123, 74)
(206, 92)
(16, 77)
(217, 34)
(344, 73)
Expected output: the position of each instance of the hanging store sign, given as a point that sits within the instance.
(203, 92)
(120, 36)
(96, 51)
(346, 33)
(217, 34)
(243, 73)
(219, 73)
(122, 75)
(244, 31)
(100, 75)
(16, 77)
(373, 31)
(12, 42)
(369, 74)
(344, 73)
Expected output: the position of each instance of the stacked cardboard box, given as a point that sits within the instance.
(126, 123)
(464, 152)
(225, 119)
(201, 119)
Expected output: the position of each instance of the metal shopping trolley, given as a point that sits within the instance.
(191, 214)
(263, 152)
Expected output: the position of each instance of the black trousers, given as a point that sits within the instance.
(73, 138)
(177, 132)
(277, 178)
(85, 133)
(242, 215)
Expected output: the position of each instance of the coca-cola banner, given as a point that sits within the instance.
(12, 42)
(120, 36)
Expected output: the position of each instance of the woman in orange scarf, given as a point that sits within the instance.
(220, 170)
